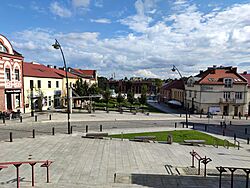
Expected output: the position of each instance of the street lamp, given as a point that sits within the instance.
(58, 46)
(185, 95)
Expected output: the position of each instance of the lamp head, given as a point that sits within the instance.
(173, 69)
(56, 45)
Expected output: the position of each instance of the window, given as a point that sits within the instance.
(2, 48)
(31, 84)
(17, 100)
(57, 84)
(7, 74)
(49, 100)
(39, 83)
(228, 82)
(195, 94)
(226, 95)
(17, 76)
(190, 93)
(238, 95)
(49, 84)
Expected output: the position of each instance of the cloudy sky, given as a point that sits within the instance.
(131, 37)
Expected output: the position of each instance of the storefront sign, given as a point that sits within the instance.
(12, 91)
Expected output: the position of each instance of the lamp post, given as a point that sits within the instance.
(185, 95)
(58, 46)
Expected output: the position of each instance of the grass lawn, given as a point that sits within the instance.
(178, 136)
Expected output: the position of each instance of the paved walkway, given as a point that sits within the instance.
(80, 162)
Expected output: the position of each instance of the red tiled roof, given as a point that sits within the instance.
(216, 76)
(38, 70)
(177, 84)
(63, 74)
(247, 77)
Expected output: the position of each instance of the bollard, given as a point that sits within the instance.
(11, 140)
(50, 117)
(223, 132)
(3, 119)
(230, 122)
(35, 118)
(87, 127)
(33, 133)
(175, 125)
(21, 119)
(100, 128)
(245, 130)
(205, 127)
(248, 140)
(71, 129)
(53, 131)
(183, 124)
(234, 136)
(233, 117)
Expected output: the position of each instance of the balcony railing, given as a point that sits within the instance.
(231, 101)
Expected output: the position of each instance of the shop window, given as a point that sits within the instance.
(17, 101)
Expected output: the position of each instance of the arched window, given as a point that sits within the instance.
(3, 49)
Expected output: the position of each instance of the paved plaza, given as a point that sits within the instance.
(81, 162)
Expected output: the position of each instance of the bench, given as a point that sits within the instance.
(144, 138)
(95, 135)
(195, 142)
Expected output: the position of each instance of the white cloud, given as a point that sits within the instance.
(189, 39)
(99, 3)
(145, 73)
(59, 10)
(80, 3)
(101, 20)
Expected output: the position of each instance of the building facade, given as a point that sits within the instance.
(219, 90)
(247, 77)
(11, 77)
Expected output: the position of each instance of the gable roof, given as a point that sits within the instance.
(247, 77)
(38, 70)
(175, 84)
(216, 75)
(83, 73)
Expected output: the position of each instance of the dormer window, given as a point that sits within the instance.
(2, 48)
(228, 82)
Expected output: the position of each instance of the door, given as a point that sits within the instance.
(225, 110)
(9, 101)
(236, 109)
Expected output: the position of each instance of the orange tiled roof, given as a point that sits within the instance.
(216, 77)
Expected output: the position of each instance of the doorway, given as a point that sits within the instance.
(225, 110)
(236, 110)
(9, 101)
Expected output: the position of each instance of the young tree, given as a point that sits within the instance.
(143, 98)
(131, 98)
(120, 98)
(106, 95)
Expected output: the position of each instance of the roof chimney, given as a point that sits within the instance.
(201, 71)
(214, 66)
(245, 72)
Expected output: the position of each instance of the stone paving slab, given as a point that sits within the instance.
(84, 162)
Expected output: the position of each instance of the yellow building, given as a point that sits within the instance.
(44, 87)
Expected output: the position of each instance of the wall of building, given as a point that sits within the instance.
(45, 94)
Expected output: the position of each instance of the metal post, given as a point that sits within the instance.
(175, 125)
(230, 122)
(245, 130)
(3, 120)
(71, 129)
(33, 133)
(234, 136)
(17, 174)
(232, 176)
(87, 127)
(183, 124)
(47, 167)
(35, 118)
(247, 171)
(53, 131)
(223, 132)
(248, 140)
(50, 117)
(21, 119)
(100, 128)
(11, 140)
(205, 127)
(199, 166)
(32, 174)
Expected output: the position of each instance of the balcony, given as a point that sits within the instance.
(231, 101)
